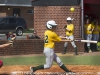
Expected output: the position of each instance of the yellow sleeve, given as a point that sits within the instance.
(56, 38)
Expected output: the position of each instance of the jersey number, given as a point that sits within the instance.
(46, 39)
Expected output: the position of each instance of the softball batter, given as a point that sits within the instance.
(50, 37)
(69, 28)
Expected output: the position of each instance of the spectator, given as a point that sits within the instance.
(98, 44)
(34, 36)
(85, 44)
(88, 27)
(95, 35)
(10, 35)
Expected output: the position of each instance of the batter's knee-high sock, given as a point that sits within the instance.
(64, 51)
(89, 49)
(64, 68)
(38, 67)
(75, 48)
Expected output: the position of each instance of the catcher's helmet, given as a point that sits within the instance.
(51, 24)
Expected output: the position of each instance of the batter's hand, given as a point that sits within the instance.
(68, 38)
(67, 29)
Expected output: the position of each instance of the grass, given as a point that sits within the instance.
(23, 60)
(28, 31)
(38, 60)
(81, 60)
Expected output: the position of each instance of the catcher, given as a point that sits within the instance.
(88, 28)
(50, 37)
(10, 43)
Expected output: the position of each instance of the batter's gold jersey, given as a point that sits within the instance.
(88, 28)
(50, 38)
(71, 28)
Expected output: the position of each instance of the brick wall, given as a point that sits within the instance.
(58, 13)
(38, 20)
(22, 47)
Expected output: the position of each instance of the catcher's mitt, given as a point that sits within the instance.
(11, 42)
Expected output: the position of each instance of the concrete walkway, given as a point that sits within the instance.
(24, 36)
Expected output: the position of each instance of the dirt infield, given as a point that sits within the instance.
(80, 69)
(91, 70)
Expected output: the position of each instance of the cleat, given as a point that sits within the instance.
(31, 71)
(70, 73)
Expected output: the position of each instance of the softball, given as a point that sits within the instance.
(72, 9)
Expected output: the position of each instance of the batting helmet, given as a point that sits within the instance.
(69, 18)
(1, 63)
(51, 24)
